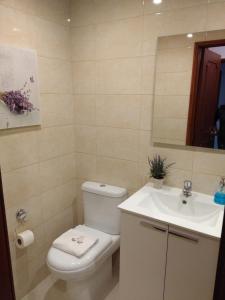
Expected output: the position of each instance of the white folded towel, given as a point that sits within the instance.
(74, 242)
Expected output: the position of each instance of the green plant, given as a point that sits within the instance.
(158, 167)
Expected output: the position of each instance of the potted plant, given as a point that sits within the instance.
(158, 170)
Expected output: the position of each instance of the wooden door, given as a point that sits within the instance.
(143, 258)
(6, 278)
(191, 266)
(207, 100)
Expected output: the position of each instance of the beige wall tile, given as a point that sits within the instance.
(117, 143)
(57, 109)
(205, 183)
(118, 111)
(14, 28)
(110, 41)
(148, 74)
(209, 163)
(84, 109)
(83, 12)
(118, 172)
(56, 141)
(21, 184)
(215, 34)
(58, 199)
(114, 10)
(86, 12)
(84, 77)
(55, 76)
(144, 145)
(192, 19)
(216, 16)
(19, 149)
(146, 112)
(119, 76)
(86, 166)
(86, 139)
(67, 167)
(84, 43)
(50, 175)
(46, 41)
(152, 28)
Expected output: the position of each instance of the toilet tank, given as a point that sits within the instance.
(100, 206)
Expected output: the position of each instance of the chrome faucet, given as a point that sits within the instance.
(187, 188)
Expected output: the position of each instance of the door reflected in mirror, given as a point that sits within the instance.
(189, 106)
(206, 122)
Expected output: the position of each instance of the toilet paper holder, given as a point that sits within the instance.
(21, 215)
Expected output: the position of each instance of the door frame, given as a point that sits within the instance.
(197, 61)
(7, 291)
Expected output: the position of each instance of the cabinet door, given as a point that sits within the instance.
(191, 266)
(143, 258)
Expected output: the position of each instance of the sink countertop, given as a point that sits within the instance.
(150, 210)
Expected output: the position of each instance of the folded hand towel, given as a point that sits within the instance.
(74, 242)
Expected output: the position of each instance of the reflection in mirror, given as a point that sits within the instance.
(189, 107)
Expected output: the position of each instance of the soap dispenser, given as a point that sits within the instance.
(219, 197)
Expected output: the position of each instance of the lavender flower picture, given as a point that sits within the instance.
(19, 91)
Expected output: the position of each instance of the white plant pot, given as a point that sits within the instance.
(157, 183)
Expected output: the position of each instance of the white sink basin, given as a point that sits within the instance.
(192, 209)
(198, 212)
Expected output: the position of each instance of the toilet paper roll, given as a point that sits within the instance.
(24, 239)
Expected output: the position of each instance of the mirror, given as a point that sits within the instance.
(189, 97)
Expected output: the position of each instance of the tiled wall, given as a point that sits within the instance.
(38, 163)
(109, 101)
(114, 54)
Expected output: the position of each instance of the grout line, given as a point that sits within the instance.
(113, 58)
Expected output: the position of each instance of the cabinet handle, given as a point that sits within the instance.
(149, 225)
(184, 236)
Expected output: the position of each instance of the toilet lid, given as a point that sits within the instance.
(63, 261)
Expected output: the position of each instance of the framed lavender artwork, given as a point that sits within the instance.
(19, 90)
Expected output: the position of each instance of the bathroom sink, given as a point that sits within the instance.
(197, 212)
(193, 208)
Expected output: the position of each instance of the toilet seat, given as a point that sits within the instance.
(66, 266)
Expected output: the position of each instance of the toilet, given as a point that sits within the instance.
(86, 277)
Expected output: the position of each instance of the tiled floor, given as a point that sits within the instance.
(114, 295)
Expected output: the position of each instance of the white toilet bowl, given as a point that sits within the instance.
(87, 276)
(68, 267)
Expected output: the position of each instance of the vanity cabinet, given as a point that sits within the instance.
(143, 259)
(191, 266)
(162, 262)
